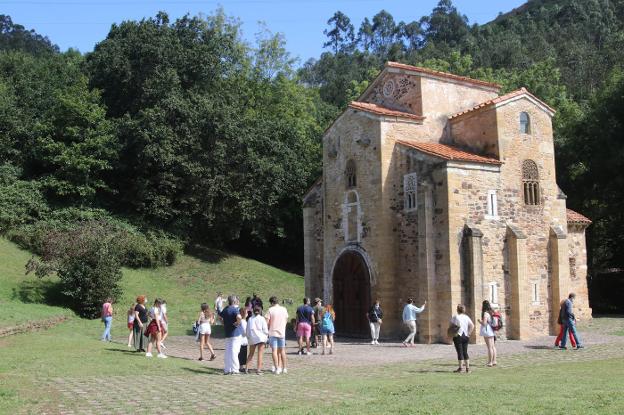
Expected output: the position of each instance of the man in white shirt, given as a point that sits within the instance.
(409, 319)
(277, 317)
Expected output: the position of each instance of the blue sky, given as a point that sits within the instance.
(82, 23)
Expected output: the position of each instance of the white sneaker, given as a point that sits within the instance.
(376, 341)
(284, 371)
(309, 353)
(299, 352)
(373, 342)
(148, 355)
(278, 371)
(162, 356)
(273, 369)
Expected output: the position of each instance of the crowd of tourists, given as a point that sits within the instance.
(249, 329)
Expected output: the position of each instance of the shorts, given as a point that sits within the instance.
(130, 325)
(304, 330)
(205, 328)
(326, 330)
(152, 328)
(277, 342)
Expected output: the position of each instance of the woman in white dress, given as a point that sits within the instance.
(487, 332)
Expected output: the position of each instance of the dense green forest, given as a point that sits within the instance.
(174, 133)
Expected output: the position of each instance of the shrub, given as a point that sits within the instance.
(136, 249)
(86, 259)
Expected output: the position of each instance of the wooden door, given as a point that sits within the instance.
(351, 300)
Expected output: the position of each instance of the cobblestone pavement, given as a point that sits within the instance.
(205, 389)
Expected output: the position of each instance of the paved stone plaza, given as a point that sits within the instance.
(204, 389)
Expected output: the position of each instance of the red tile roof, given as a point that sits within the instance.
(379, 110)
(442, 74)
(447, 152)
(502, 98)
(575, 217)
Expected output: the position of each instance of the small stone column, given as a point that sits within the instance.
(516, 242)
(474, 258)
(559, 273)
(426, 263)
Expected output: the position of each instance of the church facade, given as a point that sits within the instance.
(436, 187)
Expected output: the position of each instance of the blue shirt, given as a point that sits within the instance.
(304, 314)
(228, 314)
(410, 311)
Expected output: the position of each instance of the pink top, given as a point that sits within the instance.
(277, 317)
(107, 310)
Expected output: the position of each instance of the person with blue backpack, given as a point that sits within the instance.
(327, 328)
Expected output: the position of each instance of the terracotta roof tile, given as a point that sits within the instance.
(442, 74)
(502, 98)
(575, 217)
(447, 152)
(379, 110)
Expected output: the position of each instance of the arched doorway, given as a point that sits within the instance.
(352, 298)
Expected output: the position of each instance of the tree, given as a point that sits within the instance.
(16, 37)
(445, 25)
(384, 33)
(590, 173)
(341, 36)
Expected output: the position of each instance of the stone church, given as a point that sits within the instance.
(436, 187)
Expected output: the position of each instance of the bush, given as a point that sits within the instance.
(150, 250)
(86, 259)
(136, 249)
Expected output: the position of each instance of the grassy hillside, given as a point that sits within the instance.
(192, 280)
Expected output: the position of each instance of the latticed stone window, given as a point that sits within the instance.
(530, 182)
(410, 186)
(572, 268)
(350, 174)
(525, 123)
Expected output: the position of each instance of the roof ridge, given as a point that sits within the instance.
(381, 110)
(448, 152)
(448, 75)
(499, 99)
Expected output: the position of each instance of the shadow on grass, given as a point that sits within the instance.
(437, 368)
(130, 351)
(210, 255)
(538, 347)
(204, 371)
(39, 291)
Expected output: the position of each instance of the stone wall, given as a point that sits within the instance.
(577, 257)
(313, 241)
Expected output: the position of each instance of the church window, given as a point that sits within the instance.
(530, 183)
(351, 212)
(493, 294)
(492, 205)
(350, 174)
(535, 292)
(410, 186)
(572, 268)
(525, 123)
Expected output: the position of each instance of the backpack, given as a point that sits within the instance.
(327, 320)
(496, 322)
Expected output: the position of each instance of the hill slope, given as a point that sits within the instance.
(192, 280)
